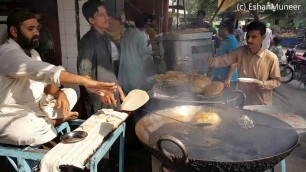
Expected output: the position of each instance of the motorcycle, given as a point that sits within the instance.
(294, 68)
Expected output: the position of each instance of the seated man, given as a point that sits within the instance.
(31, 102)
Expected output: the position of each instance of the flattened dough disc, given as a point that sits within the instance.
(134, 100)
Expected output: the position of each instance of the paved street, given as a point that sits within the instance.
(294, 98)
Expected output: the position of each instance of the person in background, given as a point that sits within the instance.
(136, 66)
(277, 48)
(136, 63)
(239, 35)
(154, 40)
(253, 61)
(115, 57)
(200, 23)
(31, 102)
(229, 74)
(268, 37)
(94, 58)
(115, 32)
(244, 34)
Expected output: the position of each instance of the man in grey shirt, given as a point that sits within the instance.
(94, 58)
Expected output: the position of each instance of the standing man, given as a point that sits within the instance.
(229, 74)
(200, 23)
(31, 103)
(266, 42)
(94, 58)
(239, 35)
(254, 61)
(136, 63)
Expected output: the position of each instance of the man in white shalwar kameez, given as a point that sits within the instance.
(31, 103)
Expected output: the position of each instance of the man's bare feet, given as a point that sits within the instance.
(71, 116)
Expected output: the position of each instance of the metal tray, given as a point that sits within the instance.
(74, 136)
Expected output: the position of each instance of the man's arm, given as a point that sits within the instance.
(85, 58)
(103, 89)
(229, 74)
(275, 79)
(224, 60)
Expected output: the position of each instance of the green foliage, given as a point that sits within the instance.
(210, 6)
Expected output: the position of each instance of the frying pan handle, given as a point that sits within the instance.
(176, 141)
(240, 94)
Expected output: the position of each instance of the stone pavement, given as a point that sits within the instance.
(294, 98)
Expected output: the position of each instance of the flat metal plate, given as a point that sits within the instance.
(74, 136)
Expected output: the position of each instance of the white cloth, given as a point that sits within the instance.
(77, 154)
(115, 52)
(23, 79)
(19, 74)
(267, 40)
(31, 124)
(47, 103)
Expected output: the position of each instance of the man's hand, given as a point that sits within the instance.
(104, 89)
(209, 61)
(108, 98)
(60, 96)
(258, 83)
(227, 83)
(62, 102)
(121, 94)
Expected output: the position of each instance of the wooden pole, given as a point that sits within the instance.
(165, 15)
(216, 12)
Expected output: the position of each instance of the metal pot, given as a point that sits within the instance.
(228, 147)
(187, 52)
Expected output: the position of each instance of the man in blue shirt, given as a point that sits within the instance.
(228, 75)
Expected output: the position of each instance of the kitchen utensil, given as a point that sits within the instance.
(247, 80)
(225, 147)
(74, 136)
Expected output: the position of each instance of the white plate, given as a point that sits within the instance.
(247, 80)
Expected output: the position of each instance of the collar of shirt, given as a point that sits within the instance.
(11, 41)
(259, 54)
(14, 43)
(97, 34)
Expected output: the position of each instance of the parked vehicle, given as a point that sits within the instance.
(294, 68)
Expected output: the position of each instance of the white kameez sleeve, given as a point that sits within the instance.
(16, 64)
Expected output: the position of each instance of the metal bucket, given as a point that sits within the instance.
(187, 52)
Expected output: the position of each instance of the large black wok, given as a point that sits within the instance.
(227, 147)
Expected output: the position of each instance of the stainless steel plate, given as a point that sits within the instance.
(74, 136)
